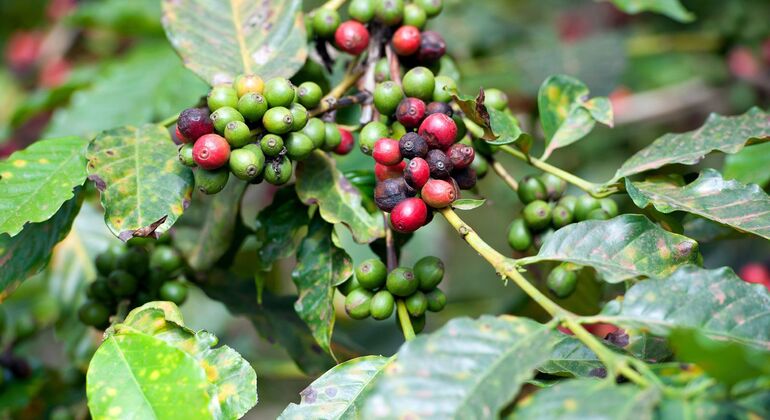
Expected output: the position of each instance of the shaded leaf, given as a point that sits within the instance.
(571, 357)
(499, 127)
(745, 165)
(265, 38)
(280, 226)
(136, 17)
(743, 207)
(697, 409)
(622, 248)
(467, 204)
(144, 188)
(670, 8)
(50, 98)
(34, 182)
(319, 182)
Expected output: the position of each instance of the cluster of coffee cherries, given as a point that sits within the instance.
(135, 274)
(373, 291)
(255, 130)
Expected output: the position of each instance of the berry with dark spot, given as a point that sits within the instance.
(309, 94)
(211, 151)
(439, 164)
(247, 163)
(401, 282)
(436, 300)
(371, 274)
(461, 155)
(537, 214)
(194, 123)
(420, 83)
(417, 173)
(186, 155)
(554, 186)
(278, 120)
(387, 96)
(369, 135)
(224, 116)
(390, 192)
(271, 145)
(361, 10)
(432, 47)
(278, 171)
(352, 37)
(325, 22)
(299, 116)
(560, 217)
(413, 145)
(410, 112)
(531, 189)
(237, 134)
(439, 131)
(252, 106)
(389, 12)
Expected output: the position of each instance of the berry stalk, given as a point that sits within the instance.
(504, 175)
(392, 262)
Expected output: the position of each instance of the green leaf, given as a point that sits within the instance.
(319, 182)
(725, 134)
(280, 227)
(499, 127)
(149, 85)
(28, 252)
(321, 265)
(696, 409)
(144, 188)
(338, 393)
(589, 399)
(745, 165)
(34, 182)
(467, 369)
(566, 113)
(467, 204)
(742, 207)
(136, 17)
(670, 8)
(571, 357)
(50, 98)
(715, 302)
(623, 248)
(265, 38)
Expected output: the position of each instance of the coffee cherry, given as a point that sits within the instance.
(279, 92)
(438, 193)
(271, 145)
(387, 96)
(107, 260)
(439, 131)
(495, 99)
(445, 87)
(609, 206)
(315, 129)
(432, 47)
(401, 282)
(598, 214)
(369, 135)
(371, 274)
(531, 189)
(560, 217)
(519, 236)
(461, 155)
(389, 12)
(99, 290)
(361, 10)
(252, 106)
(397, 129)
(383, 172)
(278, 171)
(466, 178)
(420, 83)
(554, 186)
(413, 145)
(237, 134)
(417, 173)
(299, 116)
(179, 137)
(185, 154)
(194, 122)
(429, 272)
(439, 164)
(584, 205)
(414, 15)
(211, 182)
(390, 192)
(352, 37)
(480, 165)
(409, 215)
(222, 96)
(568, 202)
(432, 7)
(278, 120)
(436, 300)
(418, 323)
(298, 146)
(410, 112)
(416, 304)
(382, 70)
(358, 303)
(173, 291)
(94, 314)
(325, 22)
(247, 163)
(561, 282)
(386, 152)
(484, 148)
(382, 305)
(537, 214)
(122, 283)
(309, 94)
(248, 83)
(349, 285)
(165, 259)
(406, 40)
(332, 136)
(439, 108)
(224, 116)
(211, 151)
(346, 142)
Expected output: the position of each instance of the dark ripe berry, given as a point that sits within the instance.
(195, 122)
(554, 186)
(316, 130)
(386, 152)
(185, 154)
(361, 10)
(382, 305)
(406, 40)
(461, 155)
(560, 217)
(466, 178)
(417, 173)
(247, 163)
(369, 135)
(537, 214)
(299, 116)
(309, 94)
(387, 96)
(278, 171)
(173, 291)
(390, 192)
(445, 87)
(429, 272)
(389, 12)
(94, 314)
(432, 47)
(439, 164)
(371, 274)
(531, 189)
(349, 285)
(414, 15)
(568, 202)
(271, 145)
(237, 134)
(179, 138)
(332, 136)
(325, 22)
(358, 303)
(419, 82)
(224, 116)
(165, 258)
(401, 282)
(298, 146)
(122, 283)
(438, 193)
(439, 131)
(211, 182)
(222, 96)
(609, 206)
(416, 304)
(383, 172)
(278, 120)
(410, 112)
(432, 7)
(519, 236)
(252, 106)
(409, 215)
(413, 145)
(279, 92)
(561, 281)
(346, 142)
(248, 83)
(211, 151)
(439, 108)
(352, 37)
(436, 300)
(495, 99)
(584, 205)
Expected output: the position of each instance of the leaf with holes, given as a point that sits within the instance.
(260, 37)
(670, 8)
(567, 114)
(281, 226)
(623, 248)
(320, 182)
(36, 181)
(740, 206)
(144, 188)
(467, 369)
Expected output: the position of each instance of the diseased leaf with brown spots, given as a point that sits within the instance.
(140, 178)
(499, 127)
(263, 37)
(740, 206)
(623, 248)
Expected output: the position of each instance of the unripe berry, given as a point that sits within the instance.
(568, 202)
(122, 283)
(211, 182)
(211, 151)
(221, 96)
(432, 7)
(390, 192)
(560, 217)
(531, 189)
(561, 281)
(480, 165)
(387, 96)
(94, 314)
(519, 236)
(465, 178)
(165, 258)
(252, 106)
(382, 305)
(419, 82)
(352, 37)
(410, 112)
(554, 186)
(609, 206)
(315, 129)
(278, 171)
(371, 274)
(445, 87)
(397, 129)
(369, 135)
(194, 122)
(417, 173)
(299, 116)
(439, 108)
(349, 285)
(414, 15)
(357, 303)
(598, 214)
(361, 10)
(383, 172)
(439, 131)
(186, 155)
(173, 291)
(224, 116)
(247, 163)
(346, 142)
(298, 146)
(382, 70)
(413, 145)
(416, 304)
(439, 164)
(537, 214)
(279, 92)
(248, 83)
(386, 152)
(438, 193)
(436, 300)
(406, 40)
(325, 22)
(429, 272)
(584, 205)
(278, 120)
(495, 99)
(309, 94)
(432, 47)
(271, 145)
(461, 155)
(409, 215)
(389, 12)
(332, 136)
(238, 134)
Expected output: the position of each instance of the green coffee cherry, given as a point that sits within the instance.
(315, 129)
(247, 164)
(173, 291)
(419, 82)
(416, 304)
(495, 99)
(387, 96)
(481, 166)
(298, 146)
(222, 96)
(568, 202)
(349, 285)
(278, 120)
(562, 282)
(325, 22)
(252, 106)
(436, 300)
(271, 145)
(401, 282)
(300, 115)
(414, 15)
(537, 214)
(609, 206)
(369, 135)
(122, 284)
(107, 260)
(584, 205)
(223, 116)
(531, 189)
(519, 236)
(278, 171)
(371, 274)
(462, 130)
(332, 136)
(397, 130)
(211, 182)
(279, 92)
(418, 323)
(166, 259)
(135, 261)
(382, 305)
(554, 186)
(429, 272)
(94, 314)
(361, 10)
(358, 303)
(444, 87)
(309, 94)
(598, 214)
(99, 291)
(186, 154)
(560, 217)
(237, 134)
(382, 70)
(389, 12)
(432, 7)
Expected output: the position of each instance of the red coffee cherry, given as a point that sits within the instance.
(439, 131)
(406, 40)
(180, 137)
(352, 37)
(410, 112)
(211, 151)
(432, 47)
(347, 144)
(438, 193)
(412, 145)
(461, 155)
(388, 193)
(383, 172)
(417, 173)
(386, 152)
(409, 215)
(194, 123)
(439, 164)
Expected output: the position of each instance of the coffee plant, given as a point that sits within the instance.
(329, 163)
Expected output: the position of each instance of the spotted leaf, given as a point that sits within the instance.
(571, 357)
(670, 8)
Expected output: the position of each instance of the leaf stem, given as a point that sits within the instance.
(169, 121)
(404, 320)
(504, 175)
(330, 101)
(392, 262)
